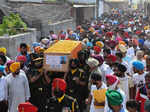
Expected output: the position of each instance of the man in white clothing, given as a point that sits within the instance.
(112, 84)
(18, 87)
(97, 97)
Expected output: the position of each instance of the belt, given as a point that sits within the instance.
(40, 89)
(2, 101)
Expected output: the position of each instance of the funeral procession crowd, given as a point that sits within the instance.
(110, 74)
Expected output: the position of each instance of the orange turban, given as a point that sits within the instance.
(81, 30)
(122, 43)
(14, 67)
(100, 44)
(91, 29)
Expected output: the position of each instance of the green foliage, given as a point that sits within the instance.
(12, 25)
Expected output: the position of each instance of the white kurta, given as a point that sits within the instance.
(124, 85)
(92, 108)
(18, 90)
(105, 70)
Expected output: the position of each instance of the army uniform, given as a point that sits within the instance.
(63, 104)
(85, 69)
(40, 91)
(75, 90)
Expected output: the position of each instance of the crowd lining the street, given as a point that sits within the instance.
(111, 73)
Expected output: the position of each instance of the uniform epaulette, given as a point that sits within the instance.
(71, 98)
(81, 70)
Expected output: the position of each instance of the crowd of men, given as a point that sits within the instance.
(111, 73)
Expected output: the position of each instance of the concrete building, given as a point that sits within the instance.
(122, 4)
(147, 8)
(87, 9)
(56, 16)
(43, 16)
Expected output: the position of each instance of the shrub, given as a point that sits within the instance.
(12, 25)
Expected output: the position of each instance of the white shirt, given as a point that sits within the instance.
(130, 52)
(147, 43)
(105, 70)
(124, 85)
(138, 79)
(3, 89)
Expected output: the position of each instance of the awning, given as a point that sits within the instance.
(78, 5)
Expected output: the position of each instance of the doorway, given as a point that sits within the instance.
(79, 15)
(1, 16)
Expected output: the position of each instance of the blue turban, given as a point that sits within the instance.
(35, 44)
(75, 36)
(100, 32)
(89, 44)
(138, 65)
(141, 41)
(2, 68)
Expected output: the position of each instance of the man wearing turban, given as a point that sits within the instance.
(39, 81)
(143, 93)
(139, 74)
(104, 68)
(18, 87)
(97, 50)
(22, 59)
(112, 82)
(60, 101)
(77, 80)
(115, 100)
(3, 52)
(8, 66)
(24, 50)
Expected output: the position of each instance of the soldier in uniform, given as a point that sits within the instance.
(60, 102)
(39, 84)
(76, 83)
(83, 55)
